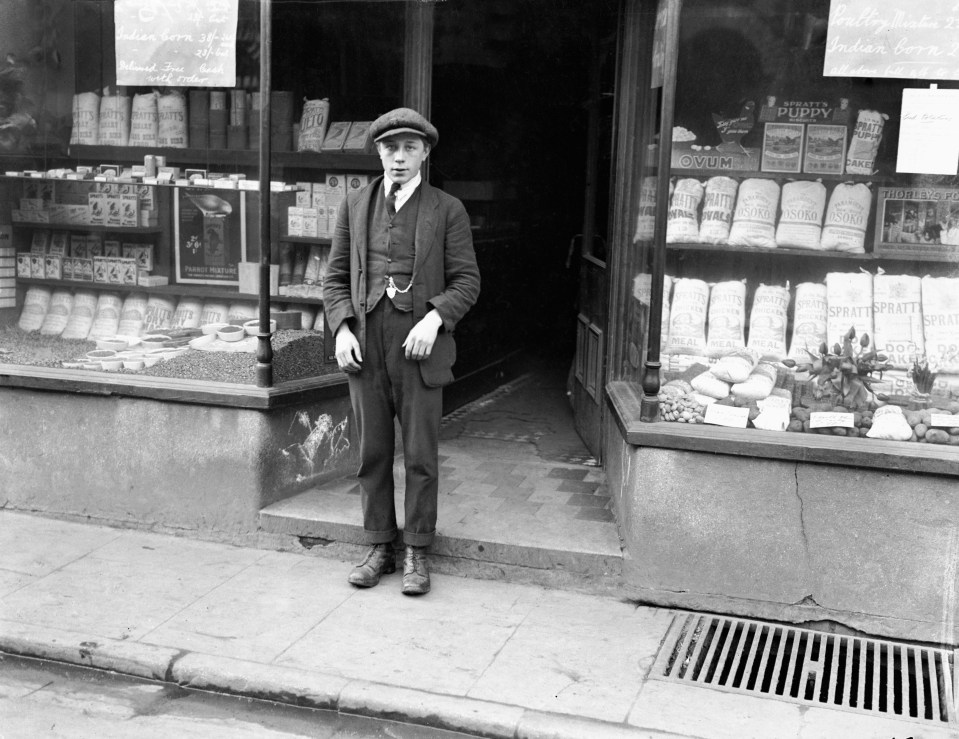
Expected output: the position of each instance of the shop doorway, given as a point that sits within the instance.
(522, 95)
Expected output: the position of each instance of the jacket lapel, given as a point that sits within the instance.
(361, 225)
(425, 225)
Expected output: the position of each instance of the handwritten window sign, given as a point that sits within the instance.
(726, 415)
(927, 132)
(829, 419)
(890, 38)
(176, 43)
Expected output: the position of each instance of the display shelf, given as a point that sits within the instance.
(88, 228)
(838, 255)
(323, 240)
(878, 179)
(240, 158)
(193, 291)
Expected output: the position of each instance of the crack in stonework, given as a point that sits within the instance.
(802, 514)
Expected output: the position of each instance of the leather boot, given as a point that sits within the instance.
(416, 576)
(379, 560)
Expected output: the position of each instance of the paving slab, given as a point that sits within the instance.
(260, 612)
(442, 643)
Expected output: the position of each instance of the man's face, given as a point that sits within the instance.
(402, 156)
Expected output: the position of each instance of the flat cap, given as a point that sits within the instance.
(404, 120)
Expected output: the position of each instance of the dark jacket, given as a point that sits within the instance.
(445, 275)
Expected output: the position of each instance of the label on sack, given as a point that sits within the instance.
(726, 415)
(830, 419)
(944, 419)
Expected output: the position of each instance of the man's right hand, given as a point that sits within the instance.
(348, 355)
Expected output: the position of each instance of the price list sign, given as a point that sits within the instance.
(891, 38)
(176, 43)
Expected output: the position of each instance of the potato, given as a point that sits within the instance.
(914, 418)
(921, 430)
(937, 436)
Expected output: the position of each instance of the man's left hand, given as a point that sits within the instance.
(419, 342)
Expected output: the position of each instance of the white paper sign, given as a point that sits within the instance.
(928, 143)
(176, 43)
(944, 419)
(774, 413)
(829, 419)
(892, 38)
(726, 415)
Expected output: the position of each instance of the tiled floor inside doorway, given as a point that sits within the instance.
(515, 480)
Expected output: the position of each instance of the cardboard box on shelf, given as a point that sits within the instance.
(336, 136)
(53, 267)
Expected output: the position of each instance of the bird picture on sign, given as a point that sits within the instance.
(732, 130)
(210, 236)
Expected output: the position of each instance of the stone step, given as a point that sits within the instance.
(515, 545)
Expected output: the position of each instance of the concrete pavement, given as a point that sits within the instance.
(482, 657)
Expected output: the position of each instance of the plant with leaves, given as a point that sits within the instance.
(922, 376)
(845, 372)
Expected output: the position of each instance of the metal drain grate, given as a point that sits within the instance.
(810, 667)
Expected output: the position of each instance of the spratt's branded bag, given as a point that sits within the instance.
(849, 298)
(727, 318)
(144, 124)
(81, 316)
(187, 313)
(682, 224)
(767, 322)
(172, 120)
(754, 220)
(940, 316)
(646, 217)
(114, 129)
(800, 222)
(847, 218)
(132, 314)
(59, 312)
(642, 291)
(86, 119)
(897, 318)
(36, 303)
(864, 145)
(719, 202)
(159, 314)
(687, 317)
(810, 314)
(106, 319)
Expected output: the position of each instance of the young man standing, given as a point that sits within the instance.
(402, 272)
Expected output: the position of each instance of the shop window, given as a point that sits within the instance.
(810, 275)
(101, 249)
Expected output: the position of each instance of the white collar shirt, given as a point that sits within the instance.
(405, 191)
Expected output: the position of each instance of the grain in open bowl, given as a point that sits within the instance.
(231, 333)
(98, 355)
(154, 341)
(116, 343)
(212, 328)
(252, 328)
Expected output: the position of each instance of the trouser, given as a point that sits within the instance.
(390, 385)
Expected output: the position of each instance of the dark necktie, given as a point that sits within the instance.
(391, 198)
